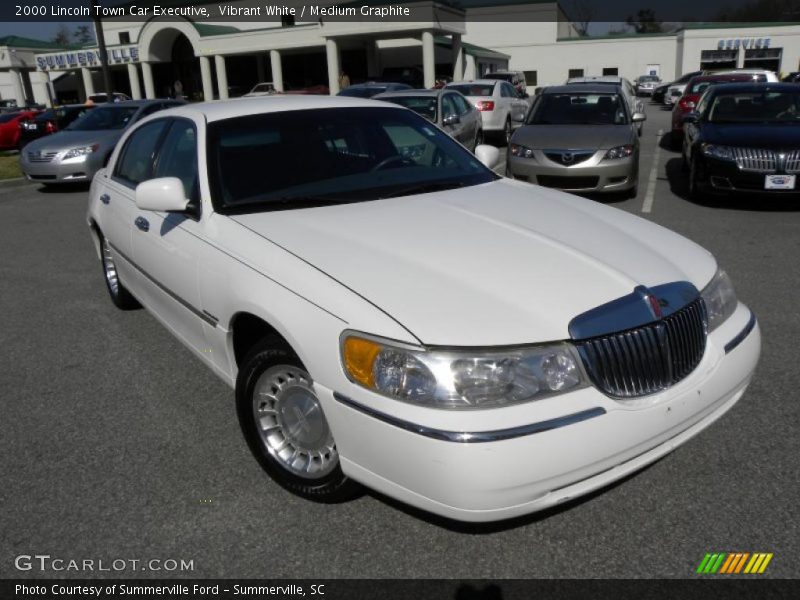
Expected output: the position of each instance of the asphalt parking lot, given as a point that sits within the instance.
(118, 443)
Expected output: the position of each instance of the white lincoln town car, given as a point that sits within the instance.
(392, 313)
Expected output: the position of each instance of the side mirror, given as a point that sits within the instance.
(165, 194)
(451, 120)
(691, 117)
(488, 155)
(639, 117)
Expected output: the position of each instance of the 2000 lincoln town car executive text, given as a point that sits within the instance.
(391, 313)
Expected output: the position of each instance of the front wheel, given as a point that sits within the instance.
(119, 294)
(695, 191)
(285, 427)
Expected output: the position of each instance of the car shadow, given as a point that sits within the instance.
(60, 188)
(507, 524)
(753, 201)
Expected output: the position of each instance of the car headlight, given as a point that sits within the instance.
(717, 151)
(720, 299)
(456, 379)
(80, 152)
(619, 152)
(521, 151)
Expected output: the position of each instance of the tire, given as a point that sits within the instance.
(507, 132)
(478, 139)
(695, 193)
(119, 294)
(284, 426)
(675, 140)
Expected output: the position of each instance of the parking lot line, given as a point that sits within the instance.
(649, 197)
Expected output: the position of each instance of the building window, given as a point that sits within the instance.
(575, 73)
(287, 21)
(610, 71)
(531, 78)
(124, 37)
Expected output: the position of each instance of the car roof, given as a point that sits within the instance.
(585, 88)
(138, 103)
(595, 79)
(413, 92)
(731, 77)
(242, 107)
(475, 81)
(369, 84)
(754, 86)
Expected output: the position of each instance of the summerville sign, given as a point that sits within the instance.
(85, 58)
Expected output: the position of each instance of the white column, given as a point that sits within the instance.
(261, 68)
(39, 83)
(19, 89)
(133, 75)
(373, 60)
(222, 77)
(277, 69)
(428, 60)
(88, 84)
(149, 86)
(332, 51)
(205, 76)
(471, 70)
(458, 58)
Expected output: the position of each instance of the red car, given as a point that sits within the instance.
(10, 125)
(694, 89)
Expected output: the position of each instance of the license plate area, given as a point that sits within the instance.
(779, 182)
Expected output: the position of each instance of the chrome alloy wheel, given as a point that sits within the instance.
(291, 424)
(110, 269)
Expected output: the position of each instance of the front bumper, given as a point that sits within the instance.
(56, 171)
(592, 175)
(527, 472)
(725, 177)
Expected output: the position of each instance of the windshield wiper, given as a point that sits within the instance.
(424, 188)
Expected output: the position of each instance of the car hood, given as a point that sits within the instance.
(64, 140)
(573, 137)
(757, 135)
(494, 264)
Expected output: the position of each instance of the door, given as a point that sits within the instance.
(517, 107)
(118, 211)
(167, 246)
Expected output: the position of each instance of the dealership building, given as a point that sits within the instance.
(458, 39)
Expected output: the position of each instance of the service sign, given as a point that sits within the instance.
(746, 43)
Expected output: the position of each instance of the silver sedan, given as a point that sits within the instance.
(447, 108)
(578, 138)
(76, 153)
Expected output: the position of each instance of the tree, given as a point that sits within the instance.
(62, 37)
(583, 14)
(83, 34)
(645, 22)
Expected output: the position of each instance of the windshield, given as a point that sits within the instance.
(422, 105)
(104, 118)
(474, 89)
(756, 107)
(579, 109)
(8, 117)
(297, 159)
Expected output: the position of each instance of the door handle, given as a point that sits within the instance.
(142, 223)
(105, 198)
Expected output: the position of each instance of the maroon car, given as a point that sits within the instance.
(694, 89)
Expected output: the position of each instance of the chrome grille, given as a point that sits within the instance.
(649, 358)
(793, 161)
(41, 157)
(754, 159)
